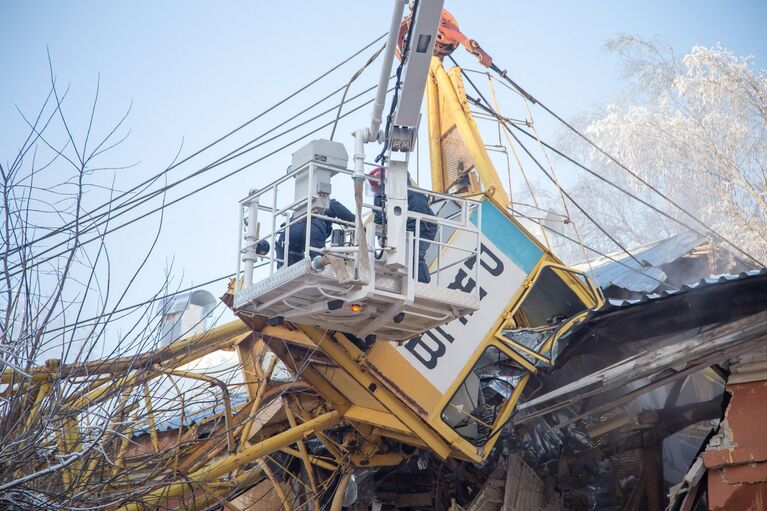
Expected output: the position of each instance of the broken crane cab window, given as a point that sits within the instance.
(481, 397)
(551, 300)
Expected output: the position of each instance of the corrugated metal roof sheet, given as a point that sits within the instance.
(624, 272)
(710, 281)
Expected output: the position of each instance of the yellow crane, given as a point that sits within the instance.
(444, 363)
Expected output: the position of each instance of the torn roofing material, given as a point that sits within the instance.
(622, 271)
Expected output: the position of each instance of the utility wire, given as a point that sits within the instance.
(591, 249)
(488, 108)
(199, 189)
(348, 85)
(381, 158)
(136, 305)
(205, 148)
(636, 176)
(614, 185)
(570, 198)
(135, 202)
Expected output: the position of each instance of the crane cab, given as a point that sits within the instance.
(466, 378)
(349, 281)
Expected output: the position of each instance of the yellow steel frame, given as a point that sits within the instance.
(446, 104)
(374, 408)
(495, 338)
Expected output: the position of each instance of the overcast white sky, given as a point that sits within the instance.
(194, 70)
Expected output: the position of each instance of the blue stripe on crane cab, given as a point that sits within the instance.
(508, 237)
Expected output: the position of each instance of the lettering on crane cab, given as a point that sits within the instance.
(430, 346)
(506, 258)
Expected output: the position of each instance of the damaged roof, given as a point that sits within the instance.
(622, 271)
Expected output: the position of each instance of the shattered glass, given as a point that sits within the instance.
(476, 404)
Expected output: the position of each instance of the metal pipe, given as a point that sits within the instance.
(150, 415)
(314, 460)
(360, 137)
(286, 504)
(304, 454)
(338, 498)
(251, 236)
(383, 79)
(240, 220)
(262, 384)
(309, 211)
(247, 455)
(224, 394)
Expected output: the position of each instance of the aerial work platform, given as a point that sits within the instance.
(353, 283)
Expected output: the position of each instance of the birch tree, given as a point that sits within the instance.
(61, 420)
(693, 127)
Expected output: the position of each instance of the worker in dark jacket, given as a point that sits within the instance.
(320, 232)
(418, 203)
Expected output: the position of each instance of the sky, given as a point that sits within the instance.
(190, 71)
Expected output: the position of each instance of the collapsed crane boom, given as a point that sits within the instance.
(381, 363)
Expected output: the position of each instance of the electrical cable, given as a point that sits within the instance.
(381, 158)
(490, 110)
(636, 176)
(592, 249)
(614, 185)
(575, 203)
(620, 188)
(496, 105)
(500, 119)
(137, 201)
(559, 187)
(137, 305)
(348, 85)
(205, 148)
(199, 189)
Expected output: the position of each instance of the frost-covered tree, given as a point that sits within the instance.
(696, 129)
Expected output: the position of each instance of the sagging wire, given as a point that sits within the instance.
(485, 105)
(561, 195)
(208, 146)
(553, 176)
(194, 191)
(592, 249)
(356, 75)
(622, 166)
(516, 159)
(381, 158)
(282, 393)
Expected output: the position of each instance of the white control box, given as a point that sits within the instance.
(320, 155)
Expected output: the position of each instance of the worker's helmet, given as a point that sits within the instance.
(378, 174)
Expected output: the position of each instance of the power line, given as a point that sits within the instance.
(592, 249)
(356, 75)
(243, 149)
(137, 305)
(636, 176)
(205, 148)
(199, 189)
(503, 122)
(614, 185)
